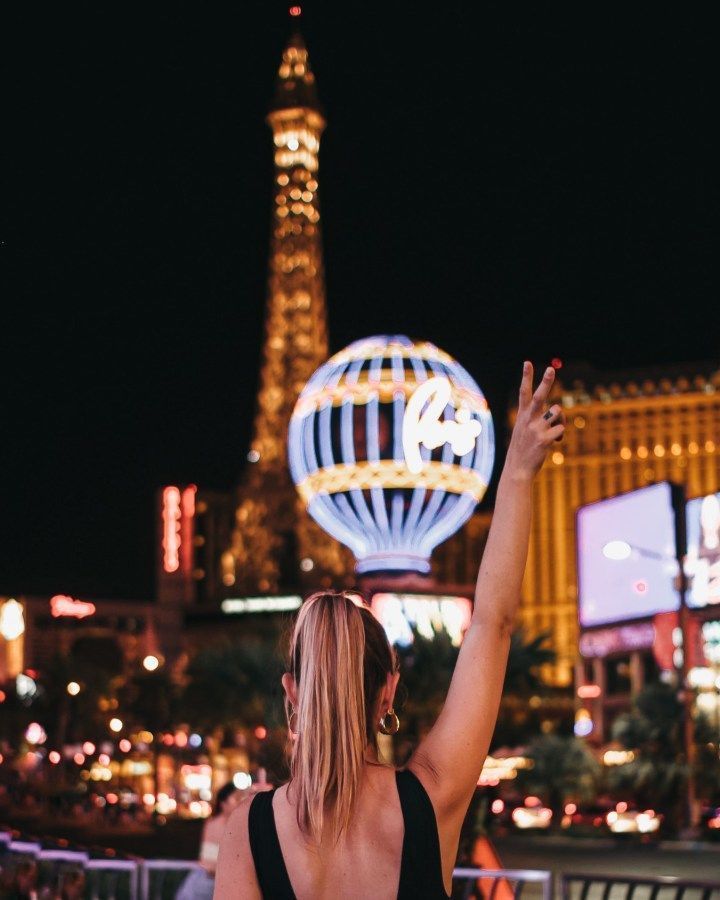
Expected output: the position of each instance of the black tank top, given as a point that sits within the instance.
(420, 866)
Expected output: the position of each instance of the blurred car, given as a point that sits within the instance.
(710, 819)
(632, 821)
(586, 818)
(526, 817)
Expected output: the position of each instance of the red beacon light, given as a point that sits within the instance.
(295, 10)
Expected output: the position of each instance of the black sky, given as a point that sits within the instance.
(506, 181)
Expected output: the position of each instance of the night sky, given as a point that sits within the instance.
(507, 181)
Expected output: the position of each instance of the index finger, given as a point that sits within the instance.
(543, 389)
(526, 384)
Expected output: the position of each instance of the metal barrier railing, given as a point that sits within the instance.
(70, 856)
(627, 887)
(160, 887)
(24, 848)
(113, 879)
(515, 880)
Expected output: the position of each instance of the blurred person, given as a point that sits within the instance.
(200, 883)
(347, 825)
(71, 886)
(21, 883)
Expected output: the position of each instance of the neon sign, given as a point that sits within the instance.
(62, 605)
(171, 517)
(427, 428)
(391, 447)
(178, 511)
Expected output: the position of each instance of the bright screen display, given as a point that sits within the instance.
(627, 566)
(702, 563)
(427, 613)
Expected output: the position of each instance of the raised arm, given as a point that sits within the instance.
(450, 759)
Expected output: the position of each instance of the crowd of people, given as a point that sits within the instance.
(21, 881)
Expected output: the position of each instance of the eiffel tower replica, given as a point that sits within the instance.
(275, 546)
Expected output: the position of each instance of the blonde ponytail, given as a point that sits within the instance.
(339, 658)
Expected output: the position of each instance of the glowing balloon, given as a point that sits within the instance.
(391, 446)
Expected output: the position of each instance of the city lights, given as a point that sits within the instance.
(35, 734)
(607, 730)
(12, 620)
(25, 686)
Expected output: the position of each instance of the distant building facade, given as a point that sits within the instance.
(625, 430)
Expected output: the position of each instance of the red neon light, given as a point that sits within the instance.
(188, 501)
(171, 516)
(62, 605)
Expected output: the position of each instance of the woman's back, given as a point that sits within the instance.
(391, 849)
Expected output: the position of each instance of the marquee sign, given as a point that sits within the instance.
(391, 447)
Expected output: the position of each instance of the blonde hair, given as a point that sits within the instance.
(340, 658)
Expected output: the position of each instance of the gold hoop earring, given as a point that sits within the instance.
(293, 732)
(394, 725)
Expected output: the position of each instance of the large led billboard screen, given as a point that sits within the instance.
(702, 563)
(627, 559)
(426, 613)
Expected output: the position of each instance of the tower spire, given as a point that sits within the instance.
(274, 542)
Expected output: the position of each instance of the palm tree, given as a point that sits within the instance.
(562, 769)
(524, 660)
(656, 777)
(234, 685)
(426, 667)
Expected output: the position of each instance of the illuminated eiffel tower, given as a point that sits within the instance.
(275, 545)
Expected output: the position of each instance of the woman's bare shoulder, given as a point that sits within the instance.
(235, 875)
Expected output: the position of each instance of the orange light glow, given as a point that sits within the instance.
(586, 691)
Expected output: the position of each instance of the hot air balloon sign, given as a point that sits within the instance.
(391, 446)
